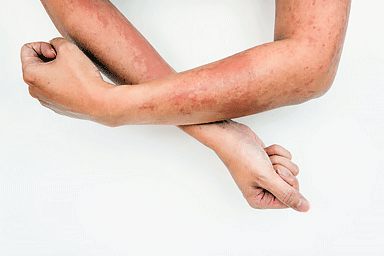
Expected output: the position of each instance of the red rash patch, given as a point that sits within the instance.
(103, 19)
(311, 81)
(145, 107)
(297, 90)
(87, 4)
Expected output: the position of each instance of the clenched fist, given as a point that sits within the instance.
(64, 80)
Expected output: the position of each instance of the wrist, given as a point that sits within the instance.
(109, 105)
(210, 134)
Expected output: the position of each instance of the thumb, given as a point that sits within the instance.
(59, 42)
(35, 53)
(287, 194)
(48, 51)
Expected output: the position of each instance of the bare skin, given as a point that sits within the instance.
(70, 100)
(210, 135)
(265, 175)
(299, 65)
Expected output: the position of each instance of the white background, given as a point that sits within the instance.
(71, 187)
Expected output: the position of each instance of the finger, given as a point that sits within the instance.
(293, 168)
(29, 55)
(286, 194)
(58, 43)
(282, 168)
(287, 176)
(47, 50)
(34, 52)
(278, 150)
(262, 199)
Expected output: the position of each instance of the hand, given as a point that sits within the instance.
(266, 176)
(64, 80)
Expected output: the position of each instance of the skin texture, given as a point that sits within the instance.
(265, 175)
(212, 135)
(299, 65)
(296, 67)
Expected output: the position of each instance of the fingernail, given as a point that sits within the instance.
(303, 206)
(53, 51)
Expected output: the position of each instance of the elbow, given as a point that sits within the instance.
(322, 85)
(320, 79)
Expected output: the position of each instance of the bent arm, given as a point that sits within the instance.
(239, 148)
(299, 65)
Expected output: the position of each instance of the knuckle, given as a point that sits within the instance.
(295, 169)
(288, 154)
(32, 92)
(25, 46)
(28, 76)
(262, 179)
(295, 180)
(295, 183)
(67, 46)
(273, 159)
(288, 197)
(278, 168)
(275, 147)
(253, 203)
(255, 206)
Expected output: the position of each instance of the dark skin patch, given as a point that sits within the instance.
(202, 96)
(297, 90)
(145, 107)
(309, 82)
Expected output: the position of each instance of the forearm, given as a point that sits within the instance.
(265, 77)
(299, 65)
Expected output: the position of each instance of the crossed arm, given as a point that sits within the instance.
(242, 84)
(299, 65)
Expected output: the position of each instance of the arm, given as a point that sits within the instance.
(245, 145)
(299, 65)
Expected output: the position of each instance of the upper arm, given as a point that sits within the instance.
(314, 20)
(318, 25)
